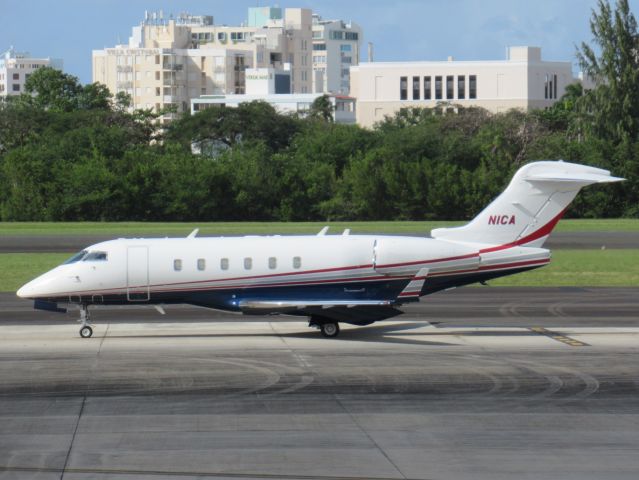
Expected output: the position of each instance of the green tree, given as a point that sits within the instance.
(52, 89)
(217, 128)
(322, 109)
(614, 65)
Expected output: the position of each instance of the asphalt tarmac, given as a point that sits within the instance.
(74, 243)
(476, 383)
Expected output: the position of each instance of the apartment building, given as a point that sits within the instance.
(167, 62)
(16, 67)
(336, 48)
(522, 81)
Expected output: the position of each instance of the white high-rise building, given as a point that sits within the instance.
(16, 67)
(167, 62)
(522, 81)
(336, 48)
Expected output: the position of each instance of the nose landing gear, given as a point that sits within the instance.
(85, 329)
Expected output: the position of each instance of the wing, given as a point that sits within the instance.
(359, 312)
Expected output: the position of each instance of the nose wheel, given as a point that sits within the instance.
(85, 329)
(86, 332)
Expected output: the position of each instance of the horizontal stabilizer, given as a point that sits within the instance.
(581, 178)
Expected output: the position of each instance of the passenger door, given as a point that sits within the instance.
(137, 275)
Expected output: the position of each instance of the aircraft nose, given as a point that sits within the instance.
(38, 287)
(25, 291)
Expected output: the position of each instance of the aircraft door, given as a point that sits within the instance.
(137, 274)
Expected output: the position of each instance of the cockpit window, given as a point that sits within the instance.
(95, 257)
(76, 258)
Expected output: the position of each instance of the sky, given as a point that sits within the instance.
(401, 30)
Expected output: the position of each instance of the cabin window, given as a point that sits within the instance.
(201, 264)
(95, 257)
(272, 263)
(177, 264)
(248, 263)
(297, 262)
(224, 264)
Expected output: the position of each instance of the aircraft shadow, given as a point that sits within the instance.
(390, 334)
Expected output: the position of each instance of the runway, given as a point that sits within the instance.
(477, 383)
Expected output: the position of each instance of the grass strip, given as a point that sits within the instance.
(578, 268)
(130, 229)
(581, 268)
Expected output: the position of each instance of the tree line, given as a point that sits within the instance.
(73, 152)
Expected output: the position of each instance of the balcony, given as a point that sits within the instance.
(174, 67)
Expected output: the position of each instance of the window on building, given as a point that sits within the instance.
(177, 264)
(221, 36)
(427, 88)
(201, 264)
(345, 47)
(16, 87)
(16, 76)
(224, 263)
(472, 86)
(403, 88)
(461, 87)
(319, 46)
(248, 263)
(157, 59)
(416, 88)
(554, 83)
(438, 88)
(351, 35)
(450, 87)
(546, 87)
(272, 263)
(157, 91)
(297, 262)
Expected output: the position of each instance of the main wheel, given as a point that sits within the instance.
(86, 331)
(330, 330)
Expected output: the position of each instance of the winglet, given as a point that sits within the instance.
(346, 232)
(193, 233)
(413, 289)
(323, 231)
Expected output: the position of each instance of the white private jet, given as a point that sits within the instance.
(356, 279)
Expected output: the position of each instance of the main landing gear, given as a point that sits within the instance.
(329, 328)
(85, 329)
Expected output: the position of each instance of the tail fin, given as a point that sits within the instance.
(530, 207)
